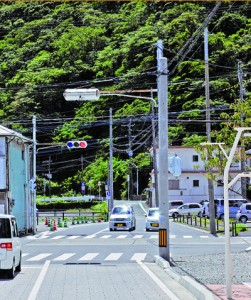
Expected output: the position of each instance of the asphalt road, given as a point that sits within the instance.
(89, 262)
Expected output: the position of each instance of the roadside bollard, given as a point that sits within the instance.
(65, 224)
(46, 221)
(73, 221)
(54, 225)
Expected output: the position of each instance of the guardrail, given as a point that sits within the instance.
(204, 222)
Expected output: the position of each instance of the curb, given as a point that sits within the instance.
(195, 288)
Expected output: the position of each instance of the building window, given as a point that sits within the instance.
(196, 183)
(174, 184)
(22, 154)
(195, 158)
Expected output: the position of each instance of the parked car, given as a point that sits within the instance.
(186, 209)
(175, 203)
(244, 213)
(152, 219)
(10, 246)
(234, 206)
(122, 217)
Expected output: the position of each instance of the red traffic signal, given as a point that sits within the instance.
(76, 144)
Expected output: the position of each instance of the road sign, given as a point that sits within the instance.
(107, 195)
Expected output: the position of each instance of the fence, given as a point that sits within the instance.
(92, 216)
(204, 222)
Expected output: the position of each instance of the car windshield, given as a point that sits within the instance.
(153, 213)
(121, 210)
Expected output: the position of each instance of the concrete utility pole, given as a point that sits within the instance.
(208, 131)
(110, 206)
(243, 179)
(164, 246)
(34, 173)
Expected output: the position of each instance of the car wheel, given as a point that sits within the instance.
(111, 229)
(175, 215)
(11, 272)
(243, 219)
(147, 229)
(221, 217)
(18, 268)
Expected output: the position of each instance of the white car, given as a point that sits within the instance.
(152, 219)
(122, 217)
(186, 209)
(10, 246)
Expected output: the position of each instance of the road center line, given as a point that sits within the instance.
(164, 288)
(39, 281)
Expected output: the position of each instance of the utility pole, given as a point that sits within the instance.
(243, 179)
(130, 154)
(208, 131)
(34, 173)
(110, 202)
(164, 245)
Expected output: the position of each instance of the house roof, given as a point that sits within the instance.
(6, 132)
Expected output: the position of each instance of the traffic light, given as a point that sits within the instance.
(76, 144)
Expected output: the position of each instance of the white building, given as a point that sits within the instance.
(192, 184)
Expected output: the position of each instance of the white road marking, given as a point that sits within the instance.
(172, 236)
(39, 281)
(138, 256)
(89, 256)
(164, 288)
(153, 236)
(204, 236)
(121, 236)
(39, 256)
(58, 237)
(73, 237)
(90, 236)
(138, 236)
(113, 256)
(24, 254)
(64, 256)
(187, 236)
(105, 236)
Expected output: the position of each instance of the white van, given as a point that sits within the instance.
(10, 246)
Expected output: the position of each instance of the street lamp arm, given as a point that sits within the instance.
(131, 96)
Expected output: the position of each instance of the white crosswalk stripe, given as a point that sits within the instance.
(113, 256)
(39, 257)
(73, 237)
(155, 236)
(138, 256)
(121, 236)
(105, 236)
(138, 236)
(64, 256)
(187, 236)
(57, 237)
(89, 256)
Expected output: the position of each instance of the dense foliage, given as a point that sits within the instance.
(46, 47)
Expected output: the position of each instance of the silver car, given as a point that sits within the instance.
(122, 217)
(152, 219)
(244, 213)
(186, 209)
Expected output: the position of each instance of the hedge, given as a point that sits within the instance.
(66, 205)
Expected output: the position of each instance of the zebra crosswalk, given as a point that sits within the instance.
(78, 257)
(109, 236)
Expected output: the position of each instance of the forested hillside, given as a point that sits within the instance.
(47, 47)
